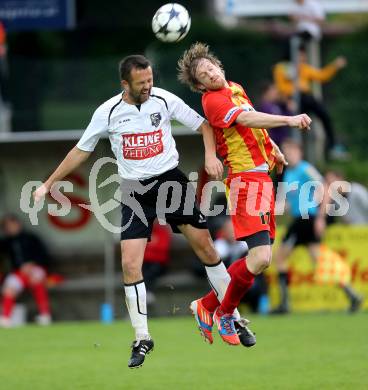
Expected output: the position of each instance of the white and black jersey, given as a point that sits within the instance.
(141, 136)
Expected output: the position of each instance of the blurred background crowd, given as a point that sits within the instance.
(58, 66)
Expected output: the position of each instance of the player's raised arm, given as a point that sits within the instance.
(72, 161)
(85, 146)
(213, 165)
(255, 119)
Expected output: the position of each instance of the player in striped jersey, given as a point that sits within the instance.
(249, 154)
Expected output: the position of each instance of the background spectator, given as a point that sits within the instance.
(3, 65)
(226, 246)
(271, 102)
(28, 257)
(284, 78)
(307, 229)
(357, 197)
(308, 16)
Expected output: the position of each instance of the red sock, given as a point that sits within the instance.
(241, 281)
(8, 304)
(210, 301)
(41, 297)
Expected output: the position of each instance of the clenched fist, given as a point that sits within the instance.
(301, 121)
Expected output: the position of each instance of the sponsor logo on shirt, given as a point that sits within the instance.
(142, 145)
(230, 113)
(155, 119)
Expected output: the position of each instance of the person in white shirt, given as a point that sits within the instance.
(138, 124)
(308, 16)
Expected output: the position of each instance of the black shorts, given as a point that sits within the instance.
(170, 197)
(301, 232)
(258, 239)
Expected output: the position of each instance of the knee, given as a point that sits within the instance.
(259, 259)
(263, 263)
(12, 286)
(130, 267)
(37, 276)
(9, 292)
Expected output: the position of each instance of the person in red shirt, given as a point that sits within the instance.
(28, 256)
(2, 39)
(249, 154)
(3, 64)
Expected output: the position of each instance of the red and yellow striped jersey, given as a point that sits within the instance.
(242, 148)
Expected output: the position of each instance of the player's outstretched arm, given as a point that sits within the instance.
(213, 165)
(262, 120)
(72, 161)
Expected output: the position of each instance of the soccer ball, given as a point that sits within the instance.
(171, 22)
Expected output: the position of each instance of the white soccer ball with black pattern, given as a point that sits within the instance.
(171, 23)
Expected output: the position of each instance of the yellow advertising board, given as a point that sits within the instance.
(306, 293)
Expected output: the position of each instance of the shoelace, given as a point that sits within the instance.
(227, 322)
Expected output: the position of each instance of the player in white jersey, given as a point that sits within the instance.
(138, 124)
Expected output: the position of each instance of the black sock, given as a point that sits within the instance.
(284, 282)
(349, 291)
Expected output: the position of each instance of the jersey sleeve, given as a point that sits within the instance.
(96, 128)
(180, 111)
(220, 110)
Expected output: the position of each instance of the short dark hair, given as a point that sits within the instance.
(128, 63)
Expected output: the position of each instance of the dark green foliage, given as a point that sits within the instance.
(347, 96)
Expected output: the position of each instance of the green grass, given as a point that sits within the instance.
(309, 351)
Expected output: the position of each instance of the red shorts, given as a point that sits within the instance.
(251, 203)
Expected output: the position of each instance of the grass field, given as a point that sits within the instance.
(309, 351)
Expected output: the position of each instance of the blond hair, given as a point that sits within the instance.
(187, 64)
